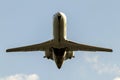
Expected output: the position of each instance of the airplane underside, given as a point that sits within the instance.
(59, 48)
(59, 52)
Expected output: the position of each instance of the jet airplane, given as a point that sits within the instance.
(59, 48)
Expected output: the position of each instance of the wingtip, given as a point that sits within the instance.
(7, 50)
(111, 50)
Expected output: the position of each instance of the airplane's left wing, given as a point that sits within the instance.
(72, 46)
(36, 47)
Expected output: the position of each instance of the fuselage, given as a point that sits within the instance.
(59, 27)
(59, 32)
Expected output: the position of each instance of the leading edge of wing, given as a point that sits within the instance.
(36, 47)
(83, 47)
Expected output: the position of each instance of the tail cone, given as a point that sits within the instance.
(59, 66)
(59, 62)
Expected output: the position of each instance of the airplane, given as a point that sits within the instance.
(59, 48)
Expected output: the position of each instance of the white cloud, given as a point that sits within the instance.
(93, 59)
(21, 77)
(101, 67)
(117, 78)
(33, 77)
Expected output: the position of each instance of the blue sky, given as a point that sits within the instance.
(25, 22)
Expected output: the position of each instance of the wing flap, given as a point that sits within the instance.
(76, 47)
(36, 47)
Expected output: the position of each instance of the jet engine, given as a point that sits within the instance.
(48, 54)
(69, 55)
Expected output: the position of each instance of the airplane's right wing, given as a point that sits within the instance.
(36, 47)
(82, 47)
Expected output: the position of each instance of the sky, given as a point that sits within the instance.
(93, 22)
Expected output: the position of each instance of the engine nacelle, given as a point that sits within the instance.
(48, 54)
(69, 55)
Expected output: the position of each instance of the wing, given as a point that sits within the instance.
(82, 47)
(36, 47)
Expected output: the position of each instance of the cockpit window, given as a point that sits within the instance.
(59, 17)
